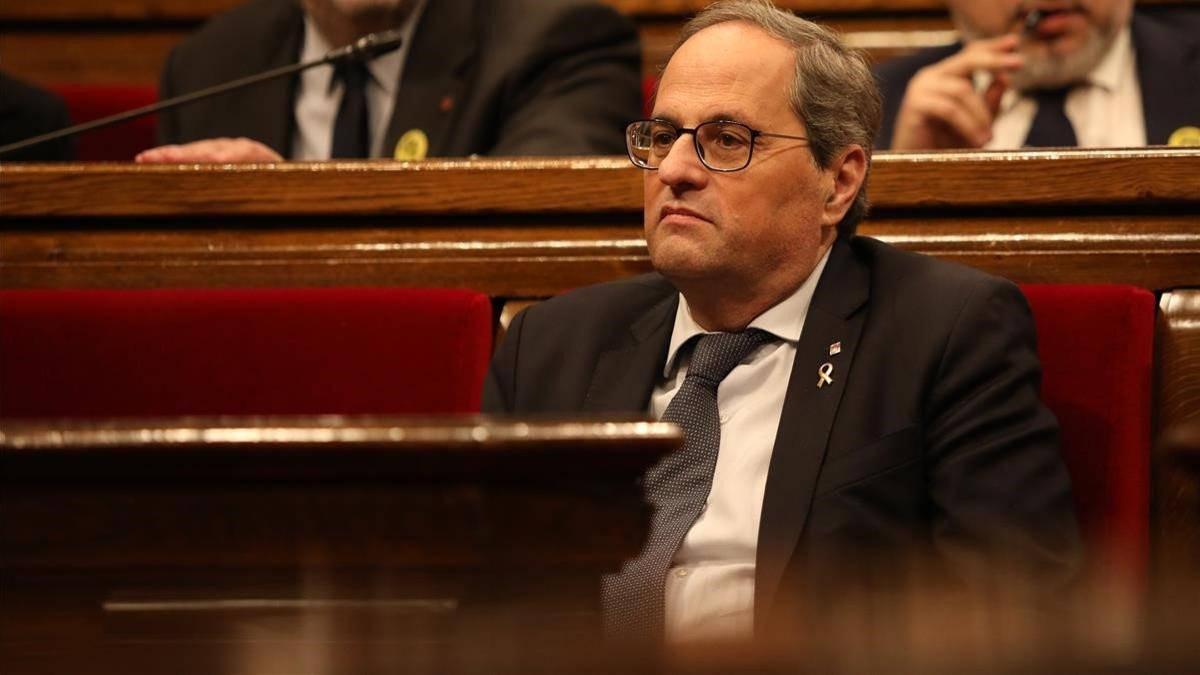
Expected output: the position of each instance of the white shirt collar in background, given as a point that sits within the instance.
(1105, 110)
(318, 96)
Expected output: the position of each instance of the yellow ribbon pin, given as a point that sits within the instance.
(1185, 136)
(413, 145)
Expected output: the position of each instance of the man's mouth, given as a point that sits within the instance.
(1048, 21)
(680, 214)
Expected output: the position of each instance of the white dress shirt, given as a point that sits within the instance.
(1105, 109)
(318, 95)
(710, 586)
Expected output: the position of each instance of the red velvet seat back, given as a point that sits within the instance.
(1096, 345)
(85, 353)
(121, 142)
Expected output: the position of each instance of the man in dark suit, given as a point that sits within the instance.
(520, 77)
(1088, 73)
(870, 406)
(27, 111)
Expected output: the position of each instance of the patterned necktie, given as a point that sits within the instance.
(1051, 128)
(351, 137)
(677, 487)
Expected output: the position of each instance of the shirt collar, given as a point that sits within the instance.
(784, 320)
(384, 69)
(1107, 73)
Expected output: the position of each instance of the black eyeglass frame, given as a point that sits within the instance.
(754, 134)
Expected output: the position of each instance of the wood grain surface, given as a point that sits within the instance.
(243, 546)
(1148, 179)
(534, 228)
(1178, 358)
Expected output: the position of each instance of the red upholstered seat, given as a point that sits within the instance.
(87, 102)
(1096, 345)
(101, 353)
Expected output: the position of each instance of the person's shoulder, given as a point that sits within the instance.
(899, 70)
(556, 21)
(232, 37)
(27, 110)
(1176, 29)
(608, 301)
(28, 98)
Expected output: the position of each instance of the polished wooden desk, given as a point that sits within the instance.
(534, 228)
(287, 545)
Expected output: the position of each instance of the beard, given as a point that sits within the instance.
(1045, 69)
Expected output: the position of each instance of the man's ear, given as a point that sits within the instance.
(846, 173)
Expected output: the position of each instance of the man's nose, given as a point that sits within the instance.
(682, 166)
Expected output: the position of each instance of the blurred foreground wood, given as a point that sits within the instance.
(383, 545)
(312, 545)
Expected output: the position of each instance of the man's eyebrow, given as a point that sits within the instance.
(712, 117)
(727, 116)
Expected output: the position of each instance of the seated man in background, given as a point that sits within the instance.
(1087, 73)
(520, 77)
(27, 111)
(847, 407)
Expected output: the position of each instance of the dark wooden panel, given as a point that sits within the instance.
(1179, 357)
(243, 545)
(1176, 486)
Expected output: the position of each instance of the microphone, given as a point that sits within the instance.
(362, 49)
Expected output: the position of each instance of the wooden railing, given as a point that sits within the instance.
(533, 228)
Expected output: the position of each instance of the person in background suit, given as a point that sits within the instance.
(1088, 73)
(27, 111)
(520, 77)
(878, 407)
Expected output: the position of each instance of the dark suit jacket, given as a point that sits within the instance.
(27, 111)
(931, 439)
(1168, 67)
(527, 77)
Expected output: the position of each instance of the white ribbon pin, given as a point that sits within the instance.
(823, 374)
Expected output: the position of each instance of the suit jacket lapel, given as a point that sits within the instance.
(435, 73)
(1165, 76)
(625, 374)
(808, 414)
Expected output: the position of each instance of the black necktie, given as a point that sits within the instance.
(677, 487)
(351, 137)
(1051, 128)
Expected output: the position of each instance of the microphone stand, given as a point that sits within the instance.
(363, 49)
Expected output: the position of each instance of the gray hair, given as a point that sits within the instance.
(833, 91)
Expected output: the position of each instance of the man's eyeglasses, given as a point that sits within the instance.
(722, 145)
